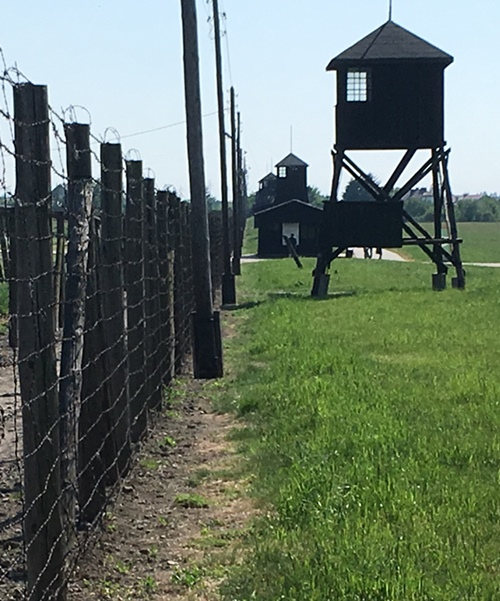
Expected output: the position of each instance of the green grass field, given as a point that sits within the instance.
(371, 434)
(481, 243)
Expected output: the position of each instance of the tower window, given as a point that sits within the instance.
(281, 171)
(358, 85)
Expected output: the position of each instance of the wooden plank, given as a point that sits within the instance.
(391, 182)
(424, 170)
(416, 240)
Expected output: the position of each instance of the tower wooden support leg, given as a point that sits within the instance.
(459, 280)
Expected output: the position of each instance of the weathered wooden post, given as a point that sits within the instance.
(228, 283)
(152, 305)
(162, 199)
(113, 308)
(216, 258)
(4, 248)
(59, 284)
(43, 523)
(174, 216)
(242, 191)
(11, 225)
(438, 278)
(79, 208)
(236, 189)
(134, 284)
(96, 449)
(207, 346)
(186, 281)
(171, 287)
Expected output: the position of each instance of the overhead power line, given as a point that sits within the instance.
(177, 123)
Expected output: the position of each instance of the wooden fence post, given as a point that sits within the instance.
(171, 287)
(11, 225)
(79, 207)
(96, 449)
(152, 341)
(183, 308)
(113, 305)
(59, 271)
(4, 248)
(134, 285)
(175, 229)
(162, 198)
(43, 524)
(216, 256)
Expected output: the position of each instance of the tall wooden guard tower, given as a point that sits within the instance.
(390, 95)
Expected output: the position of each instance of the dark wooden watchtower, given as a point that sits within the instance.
(288, 212)
(266, 194)
(292, 180)
(390, 95)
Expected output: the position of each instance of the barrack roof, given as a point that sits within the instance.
(268, 177)
(291, 161)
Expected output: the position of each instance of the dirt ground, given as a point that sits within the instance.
(178, 523)
(11, 567)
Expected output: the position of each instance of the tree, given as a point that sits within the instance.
(419, 208)
(315, 197)
(212, 203)
(355, 191)
(483, 209)
(251, 203)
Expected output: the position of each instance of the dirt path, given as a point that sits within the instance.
(7, 404)
(358, 253)
(175, 529)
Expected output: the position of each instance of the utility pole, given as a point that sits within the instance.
(207, 343)
(228, 285)
(236, 192)
(241, 184)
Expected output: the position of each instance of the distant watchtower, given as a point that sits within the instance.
(390, 95)
(292, 180)
(266, 193)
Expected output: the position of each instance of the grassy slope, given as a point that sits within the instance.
(371, 433)
(481, 243)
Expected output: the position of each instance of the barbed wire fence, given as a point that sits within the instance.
(96, 273)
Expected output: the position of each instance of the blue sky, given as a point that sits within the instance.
(122, 60)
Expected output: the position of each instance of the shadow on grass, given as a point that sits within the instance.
(302, 296)
(248, 305)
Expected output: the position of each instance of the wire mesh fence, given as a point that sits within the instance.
(96, 275)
